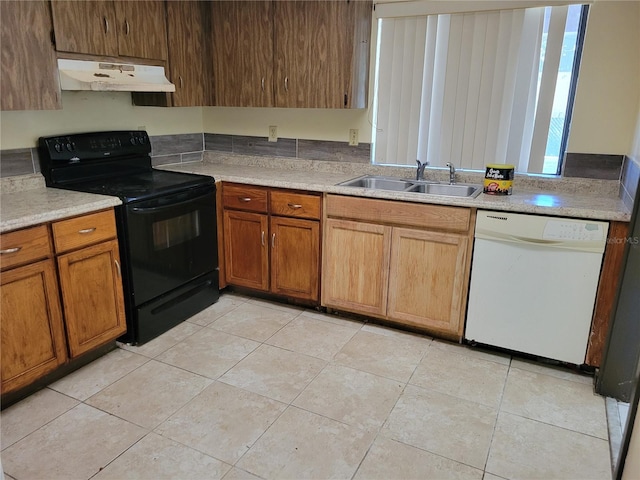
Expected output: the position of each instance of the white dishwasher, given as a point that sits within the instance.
(533, 283)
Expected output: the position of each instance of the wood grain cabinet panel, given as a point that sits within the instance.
(24, 246)
(427, 279)
(295, 54)
(29, 71)
(91, 286)
(144, 31)
(402, 262)
(271, 240)
(189, 52)
(295, 257)
(111, 28)
(243, 53)
(33, 342)
(85, 27)
(246, 252)
(355, 266)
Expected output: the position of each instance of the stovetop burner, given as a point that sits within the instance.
(142, 186)
(114, 163)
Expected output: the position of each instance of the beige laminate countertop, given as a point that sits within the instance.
(30, 203)
(539, 202)
(25, 201)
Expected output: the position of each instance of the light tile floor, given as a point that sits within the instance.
(251, 389)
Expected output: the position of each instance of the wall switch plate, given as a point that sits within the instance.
(273, 133)
(353, 137)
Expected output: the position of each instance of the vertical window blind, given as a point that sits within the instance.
(466, 88)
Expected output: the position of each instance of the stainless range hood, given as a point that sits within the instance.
(119, 77)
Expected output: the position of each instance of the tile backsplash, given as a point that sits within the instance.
(630, 180)
(19, 161)
(592, 165)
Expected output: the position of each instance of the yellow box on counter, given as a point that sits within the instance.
(498, 179)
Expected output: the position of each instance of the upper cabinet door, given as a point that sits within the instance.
(321, 52)
(28, 73)
(243, 53)
(143, 29)
(188, 52)
(85, 27)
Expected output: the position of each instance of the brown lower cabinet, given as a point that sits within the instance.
(272, 240)
(51, 316)
(402, 262)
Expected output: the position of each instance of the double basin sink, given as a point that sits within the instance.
(376, 182)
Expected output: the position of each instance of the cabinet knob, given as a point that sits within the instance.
(10, 250)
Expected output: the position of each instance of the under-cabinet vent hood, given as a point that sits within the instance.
(103, 76)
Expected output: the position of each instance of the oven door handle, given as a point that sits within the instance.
(168, 204)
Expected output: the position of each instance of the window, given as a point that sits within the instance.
(477, 88)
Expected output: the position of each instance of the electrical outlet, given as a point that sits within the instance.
(273, 133)
(353, 137)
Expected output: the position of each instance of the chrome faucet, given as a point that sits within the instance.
(420, 170)
(452, 173)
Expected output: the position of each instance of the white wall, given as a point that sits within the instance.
(92, 111)
(606, 104)
(604, 117)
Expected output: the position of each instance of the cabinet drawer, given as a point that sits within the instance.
(289, 204)
(244, 197)
(24, 246)
(81, 231)
(390, 212)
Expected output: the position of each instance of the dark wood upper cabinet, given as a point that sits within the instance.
(311, 54)
(111, 28)
(29, 74)
(243, 53)
(189, 52)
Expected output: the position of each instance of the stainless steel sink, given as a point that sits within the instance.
(378, 183)
(452, 190)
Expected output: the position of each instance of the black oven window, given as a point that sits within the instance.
(174, 231)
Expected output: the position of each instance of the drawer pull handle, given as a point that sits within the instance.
(118, 267)
(106, 24)
(273, 240)
(295, 206)
(127, 29)
(10, 250)
(87, 230)
(262, 83)
(245, 199)
(262, 238)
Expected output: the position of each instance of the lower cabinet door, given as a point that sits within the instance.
(355, 268)
(295, 257)
(427, 276)
(33, 342)
(92, 296)
(246, 251)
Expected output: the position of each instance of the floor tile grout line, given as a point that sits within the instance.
(498, 411)
(557, 426)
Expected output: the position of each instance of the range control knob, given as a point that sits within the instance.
(70, 147)
(58, 147)
(142, 140)
(133, 140)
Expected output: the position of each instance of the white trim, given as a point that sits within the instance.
(436, 7)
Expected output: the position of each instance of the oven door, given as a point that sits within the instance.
(172, 240)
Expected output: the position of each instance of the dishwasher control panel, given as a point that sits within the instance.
(579, 231)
